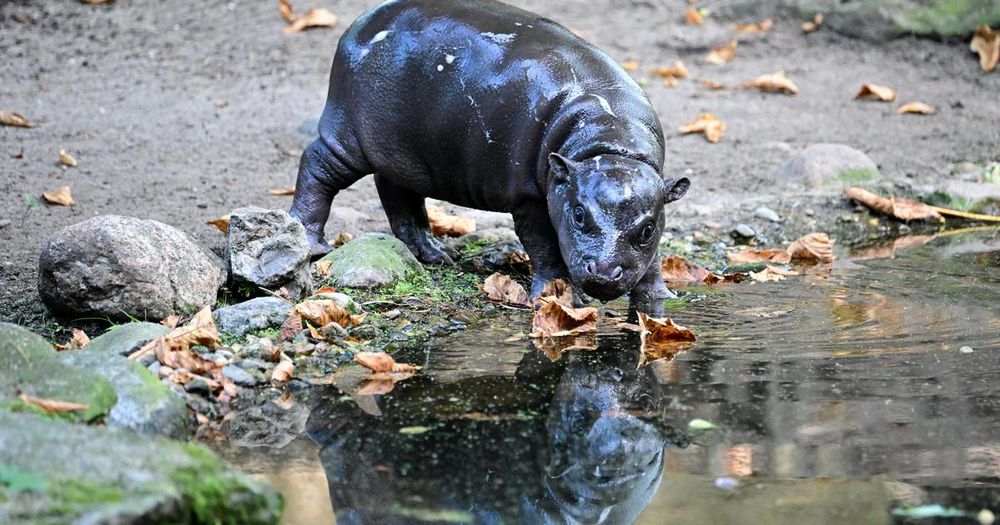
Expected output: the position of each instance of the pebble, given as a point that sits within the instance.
(198, 386)
(238, 375)
(252, 364)
(809, 212)
(767, 214)
(743, 231)
(155, 368)
(727, 483)
(986, 517)
(4, 223)
(966, 350)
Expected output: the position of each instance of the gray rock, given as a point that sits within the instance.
(372, 260)
(343, 300)
(127, 338)
(198, 386)
(882, 20)
(767, 214)
(743, 232)
(269, 249)
(121, 267)
(4, 223)
(506, 256)
(144, 405)
(253, 364)
(832, 166)
(255, 314)
(268, 425)
(126, 478)
(238, 375)
(29, 366)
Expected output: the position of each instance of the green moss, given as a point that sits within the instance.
(951, 17)
(73, 497)
(473, 248)
(857, 176)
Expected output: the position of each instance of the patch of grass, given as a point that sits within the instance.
(991, 173)
(856, 176)
(473, 248)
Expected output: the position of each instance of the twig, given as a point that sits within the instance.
(966, 215)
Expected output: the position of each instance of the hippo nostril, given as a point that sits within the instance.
(591, 268)
(617, 273)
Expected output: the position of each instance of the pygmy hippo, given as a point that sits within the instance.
(492, 107)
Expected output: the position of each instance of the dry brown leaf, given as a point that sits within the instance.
(760, 27)
(776, 82)
(916, 107)
(284, 401)
(286, 11)
(79, 339)
(815, 247)
(670, 82)
(502, 288)
(61, 197)
(283, 372)
(9, 118)
(662, 338)
(380, 362)
(706, 123)
(693, 17)
(630, 66)
(771, 273)
(560, 290)
(317, 17)
(341, 239)
(711, 84)
(876, 92)
(66, 159)
(902, 209)
(174, 349)
(758, 256)
(443, 224)
(171, 321)
(291, 326)
(199, 331)
(722, 54)
(322, 268)
(817, 22)
(53, 406)
(986, 42)
(222, 223)
(677, 70)
(679, 271)
(322, 312)
(555, 319)
(281, 192)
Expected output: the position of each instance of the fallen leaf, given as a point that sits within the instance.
(701, 424)
(286, 11)
(78, 340)
(381, 362)
(341, 239)
(815, 247)
(760, 27)
(902, 209)
(985, 42)
(443, 224)
(322, 268)
(662, 338)
(706, 123)
(677, 70)
(679, 271)
(817, 22)
(722, 54)
(916, 107)
(381, 383)
(555, 347)
(291, 326)
(285, 401)
(9, 118)
(171, 321)
(693, 17)
(61, 197)
(711, 84)
(758, 256)
(771, 273)
(670, 82)
(777, 82)
(52, 406)
(876, 92)
(222, 223)
(555, 319)
(560, 290)
(66, 159)
(317, 17)
(322, 312)
(630, 66)
(503, 289)
(281, 192)
(283, 372)
(174, 349)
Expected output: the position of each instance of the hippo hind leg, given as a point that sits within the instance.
(408, 219)
(322, 174)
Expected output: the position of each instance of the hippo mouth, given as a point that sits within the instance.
(604, 289)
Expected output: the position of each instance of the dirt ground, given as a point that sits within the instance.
(181, 111)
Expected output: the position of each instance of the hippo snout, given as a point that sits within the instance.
(603, 281)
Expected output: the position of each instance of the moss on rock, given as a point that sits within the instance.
(372, 260)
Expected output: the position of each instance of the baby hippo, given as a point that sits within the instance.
(488, 106)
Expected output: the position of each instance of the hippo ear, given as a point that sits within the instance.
(675, 188)
(559, 169)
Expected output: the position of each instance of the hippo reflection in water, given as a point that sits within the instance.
(557, 443)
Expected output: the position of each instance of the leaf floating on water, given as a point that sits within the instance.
(817, 22)
(381, 362)
(677, 270)
(707, 124)
(771, 273)
(412, 431)
(722, 54)
(9, 118)
(876, 92)
(556, 319)
(918, 108)
(758, 256)
(815, 247)
(902, 209)
(222, 223)
(59, 197)
(693, 17)
(775, 82)
(760, 27)
(662, 338)
(986, 43)
(445, 225)
(53, 406)
(701, 424)
(281, 192)
(503, 289)
(317, 17)
(66, 159)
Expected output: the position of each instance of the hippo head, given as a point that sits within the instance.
(608, 214)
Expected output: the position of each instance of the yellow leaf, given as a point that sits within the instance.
(817, 22)
(66, 159)
(443, 224)
(9, 118)
(61, 197)
(282, 192)
(706, 123)
(503, 289)
(760, 27)
(222, 223)
(876, 92)
(630, 65)
(722, 54)
(986, 43)
(916, 107)
(677, 70)
(776, 82)
(318, 17)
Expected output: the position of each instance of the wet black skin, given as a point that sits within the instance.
(491, 107)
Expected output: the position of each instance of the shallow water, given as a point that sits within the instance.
(837, 396)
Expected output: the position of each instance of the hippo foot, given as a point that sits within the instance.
(431, 251)
(318, 247)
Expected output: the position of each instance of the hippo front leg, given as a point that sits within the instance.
(408, 219)
(649, 293)
(538, 236)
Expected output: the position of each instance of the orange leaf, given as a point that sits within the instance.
(503, 289)
(776, 82)
(554, 347)
(286, 11)
(662, 338)
(679, 271)
(66, 159)
(9, 118)
(318, 17)
(283, 372)
(876, 92)
(630, 66)
(61, 197)
(817, 22)
(222, 223)
(706, 123)
(815, 247)
(722, 54)
(559, 290)
(281, 192)
(916, 107)
(760, 27)
(443, 224)
(986, 43)
(677, 70)
(555, 319)
(693, 17)
(322, 312)
(758, 256)
(903, 209)
(380, 362)
(711, 84)
(53, 406)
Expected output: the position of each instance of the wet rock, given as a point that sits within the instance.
(743, 232)
(127, 338)
(29, 366)
(255, 314)
(372, 260)
(144, 405)
(120, 267)
(767, 214)
(342, 300)
(198, 387)
(238, 375)
(268, 425)
(101, 475)
(882, 20)
(268, 249)
(832, 166)
(505, 256)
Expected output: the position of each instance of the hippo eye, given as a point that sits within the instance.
(579, 215)
(646, 235)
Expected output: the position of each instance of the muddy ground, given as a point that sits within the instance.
(182, 111)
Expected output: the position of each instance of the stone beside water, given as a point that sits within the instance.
(743, 232)
(256, 314)
(828, 166)
(268, 249)
(767, 214)
(372, 260)
(127, 338)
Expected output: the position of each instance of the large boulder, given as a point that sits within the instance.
(881, 20)
(830, 166)
(119, 267)
(29, 366)
(268, 249)
(98, 475)
(370, 261)
(127, 338)
(255, 314)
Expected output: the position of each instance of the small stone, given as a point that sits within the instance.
(372, 260)
(767, 214)
(252, 364)
(255, 314)
(831, 166)
(392, 314)
(727, 483)
(712, 225)
(966, 350)
(154, 368)
(268, 249)
(198, 386)
(127, 338)
(809, 212)
(4, 223)
(743, 232)
(238, 375)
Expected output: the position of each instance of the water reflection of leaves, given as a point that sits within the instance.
(662, 338)
(888, 250)
(555, 347)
